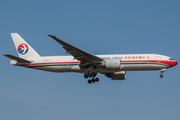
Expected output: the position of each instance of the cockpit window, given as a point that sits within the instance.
(171, 59)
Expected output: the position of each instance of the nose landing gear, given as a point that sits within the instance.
(161, 75)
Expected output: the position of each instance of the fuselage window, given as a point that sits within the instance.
(171, 59)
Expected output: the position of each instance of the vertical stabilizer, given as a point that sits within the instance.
(24, 50)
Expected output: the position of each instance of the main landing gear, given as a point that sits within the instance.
(93, 75)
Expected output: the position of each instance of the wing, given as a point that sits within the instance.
(77, 53)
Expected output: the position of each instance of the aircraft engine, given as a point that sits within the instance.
(117, 75)
(112, 64)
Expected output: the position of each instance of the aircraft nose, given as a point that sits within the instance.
(173, 63)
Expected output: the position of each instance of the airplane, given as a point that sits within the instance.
(113, 66)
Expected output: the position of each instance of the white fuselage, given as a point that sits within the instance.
(114, 66)
(129, 62)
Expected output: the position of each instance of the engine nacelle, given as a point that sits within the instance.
(117, 75)
(112, 64)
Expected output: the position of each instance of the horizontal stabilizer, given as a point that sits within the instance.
(17, 58)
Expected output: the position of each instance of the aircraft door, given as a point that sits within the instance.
(158, 59)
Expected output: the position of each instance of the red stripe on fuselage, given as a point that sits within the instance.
(167, 62)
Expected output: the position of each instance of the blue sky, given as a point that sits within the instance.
(99, 27)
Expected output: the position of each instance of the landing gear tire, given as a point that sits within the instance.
(89, 75)
(97, 79)
(86, 75)
(161, 75)
(89, 81)
(93, 74)
(93, 80)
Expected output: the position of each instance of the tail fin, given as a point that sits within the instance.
(24, 50)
